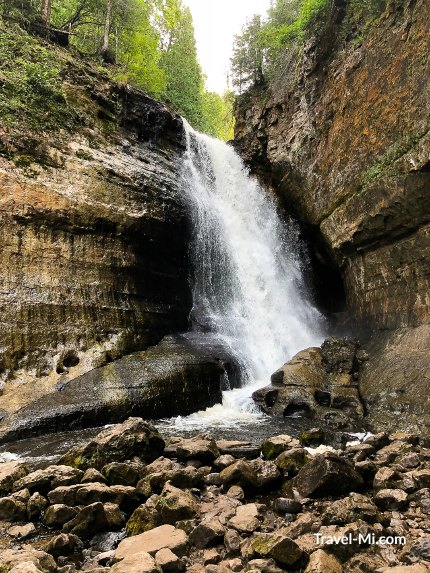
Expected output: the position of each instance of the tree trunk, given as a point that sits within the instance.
(105, 44)
(46, 12)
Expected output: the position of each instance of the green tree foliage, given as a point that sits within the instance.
(263, 47)
(148, 43)
(183, 74)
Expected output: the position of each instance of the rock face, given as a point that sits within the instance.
(176, 377)
(93, 229)
(317, 382)
(346, 145)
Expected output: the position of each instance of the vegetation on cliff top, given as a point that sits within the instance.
(266, 46)
(147, 43)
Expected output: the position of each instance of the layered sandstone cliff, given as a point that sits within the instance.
(345, 140)
(93, 230)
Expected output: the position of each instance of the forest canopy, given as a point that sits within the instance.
(147, 43)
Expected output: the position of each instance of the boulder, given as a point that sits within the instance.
(134, 437)
(168, 561)
(317, 382)
(35, 506)
(322, 562)
(391, 499)
(140, 562)
(165, 536)
(174, 505)
(22, 531)
(346, 510)
(291, 461)
(268, 475)
(272, 447)
(11, 472)
(10, 558)
(43, 480)
(240, 473)
(88, 521)
(278, 546)
(120, 473)
(246, 519)
(12, 509)
(208, 532)
(327, 474)
(58, 514)
(64, 544)
(200, 448)
(287, 505)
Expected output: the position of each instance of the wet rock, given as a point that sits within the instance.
(119, 473)
(35, 506)
(168, 561)
(107, 541)
(322, 562)
(378, 440)
(287, 505)
(165, 536)
(22, 531)
(134, 437)
(58, 514)
(327, 474)
(391, 499)
(64, 544)
(273, 447)
(213, 479)
(246, 519)
(240, 473)
(43, 480)
(88, 521)
(11, 472)
(174, 505)
(208, 532)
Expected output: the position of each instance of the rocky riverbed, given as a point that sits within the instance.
(127, 501)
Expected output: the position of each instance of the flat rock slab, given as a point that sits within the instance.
(179, 376)
(165, 536)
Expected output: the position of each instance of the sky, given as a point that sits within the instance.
(216, 22)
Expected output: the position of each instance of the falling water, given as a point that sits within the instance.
(248, 286)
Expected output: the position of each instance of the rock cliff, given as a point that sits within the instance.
(93, 229)
(344, 138)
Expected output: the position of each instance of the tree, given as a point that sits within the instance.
(179, 61)
(247, 60)
(46, 12)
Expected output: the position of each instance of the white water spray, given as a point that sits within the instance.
(248, 286)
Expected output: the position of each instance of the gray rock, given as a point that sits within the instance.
(327, 474)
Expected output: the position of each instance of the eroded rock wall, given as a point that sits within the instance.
(93, 228)
(344, 137)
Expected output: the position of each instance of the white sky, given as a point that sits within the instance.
(215, 23)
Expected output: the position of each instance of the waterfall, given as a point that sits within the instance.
(248, 286)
